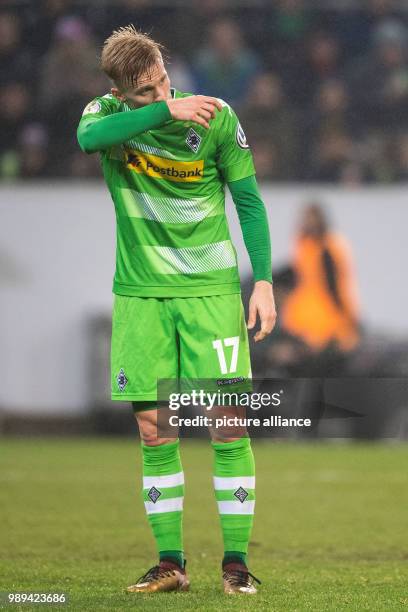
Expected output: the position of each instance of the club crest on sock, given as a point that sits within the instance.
(241, 494)
(154, 494)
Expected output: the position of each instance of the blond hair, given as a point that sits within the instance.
(127, 54)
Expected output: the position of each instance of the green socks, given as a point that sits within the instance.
(163, 494)
(234, 484)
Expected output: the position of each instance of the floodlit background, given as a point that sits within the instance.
(322, 92)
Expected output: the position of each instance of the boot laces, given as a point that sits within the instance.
(155, 573)
(240, 578)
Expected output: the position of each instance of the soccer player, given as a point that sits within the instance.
(166, 157)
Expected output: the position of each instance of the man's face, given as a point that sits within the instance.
(152, 86)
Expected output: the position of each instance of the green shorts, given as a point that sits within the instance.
(172, 338)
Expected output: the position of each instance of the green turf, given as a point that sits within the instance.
(331, 527)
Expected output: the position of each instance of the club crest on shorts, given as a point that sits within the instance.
(154, 494)
(193, 140)
(241, 494)
(121, 380)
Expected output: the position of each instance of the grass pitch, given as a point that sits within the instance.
(331, 526)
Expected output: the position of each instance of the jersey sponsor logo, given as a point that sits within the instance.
(134, 160)
(241, 138)
(161, 168)
(193, 140)
(92, 107)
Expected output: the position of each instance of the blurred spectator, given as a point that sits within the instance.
(181, 76)
(41, 20)
(266, 160)
(109, 16)
(354, 26)
(84, 166)
(70, 78)
(16, 62)
(158, 19)
(322, 309)
(71, 68)
(322, 90)
(33, 149)
(332, 152)
(15, 110)
(331, 109)
(328, 125)
(401, 162)
(225, 67)
(323, 62)
(353, 174)
(29, 156)
(286, 25)
(291, 20)
(380, 80)
(210, 9)
(379, 9)
(267, 115)
(15, 113)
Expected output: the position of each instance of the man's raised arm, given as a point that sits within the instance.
(97, 131)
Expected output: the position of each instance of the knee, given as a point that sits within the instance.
(233, 448)
(225, 440)
(220, 436)
(154, 441)
(149, 434)
(148, 427)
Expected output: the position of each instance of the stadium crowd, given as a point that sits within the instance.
(322, 93)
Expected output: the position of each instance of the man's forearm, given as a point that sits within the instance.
(254, 224)
(99, 134)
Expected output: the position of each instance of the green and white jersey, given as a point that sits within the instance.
(167, 185)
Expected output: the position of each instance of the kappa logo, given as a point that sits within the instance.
(241, 494)
(121, 380)
(163, 168)
(230, 381)
(154, 494)
(193, 140)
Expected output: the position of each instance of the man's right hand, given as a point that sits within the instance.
(199, 109)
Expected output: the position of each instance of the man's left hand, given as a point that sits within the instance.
(262, 302)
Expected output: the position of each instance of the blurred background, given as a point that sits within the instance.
(321, 89)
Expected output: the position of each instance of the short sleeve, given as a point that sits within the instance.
(234, 157)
